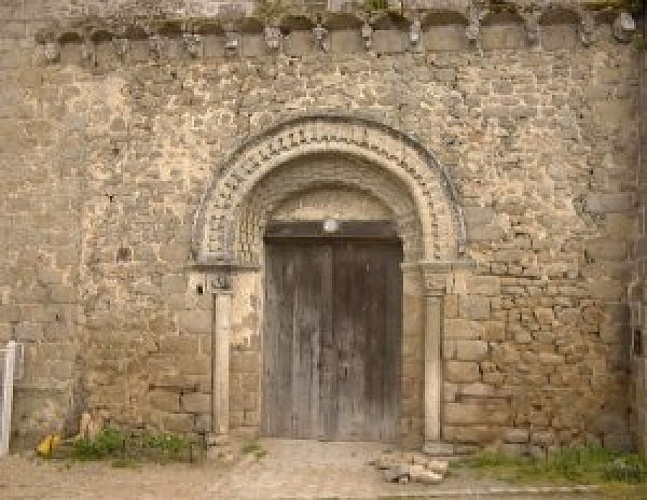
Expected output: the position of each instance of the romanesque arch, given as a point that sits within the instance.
(216, 229)
(374, 159)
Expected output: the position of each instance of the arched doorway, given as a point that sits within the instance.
(343, 170)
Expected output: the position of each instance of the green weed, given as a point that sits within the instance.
(254, 448)
(125, 447)
(592, 465)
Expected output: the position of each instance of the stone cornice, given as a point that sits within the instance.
(274, 28)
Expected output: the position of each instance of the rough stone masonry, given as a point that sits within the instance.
(146, 145)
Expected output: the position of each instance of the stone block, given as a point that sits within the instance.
(474, 307)
(516, 435)
(493, 330)
(471, 434)
(167, 401)
(28, 332)
(503, 36)
(470, 350)
(608, 290)
(544, 315)
(483, 285)
(173, 283)
(610, 202)
(195, 321)
(389, 41)
(463, 329)
(179, 422)
(462, 371)
(475, 413)
(196, 402)
(445, 38)
(346, 41)
(194, 365)
(606, 249)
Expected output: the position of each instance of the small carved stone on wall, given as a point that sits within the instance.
(88, 52)
(531, 22)
(367, 35)
(624, 27)
(52, 52)
(121, 46)
(321, 37)
(475, 14)
(415, 33)
(156, 46)
(232, 41)
(586, 28)
(192, 44)
(273, 37)
(219, 282)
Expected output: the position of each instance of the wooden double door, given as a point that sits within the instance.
(332, 338)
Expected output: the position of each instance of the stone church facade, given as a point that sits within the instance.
(157, 155)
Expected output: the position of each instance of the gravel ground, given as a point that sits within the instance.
(291, 469)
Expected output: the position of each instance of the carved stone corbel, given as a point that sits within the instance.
(366, 32)
(121, 46)
(192, 43)
(232, 40)
(624, 27)
(531, 24)
(586, 28)
(273, 36)
(156, 46)
(321, 37)
(415, 33)
(52, 51)
(476, 12)
(88, 52)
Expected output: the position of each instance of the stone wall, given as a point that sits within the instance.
(637, 291)
(108, 154)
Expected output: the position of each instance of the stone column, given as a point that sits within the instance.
(220, 344)
(435, 279)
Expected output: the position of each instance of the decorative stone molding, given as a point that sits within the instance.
(289, 182)
(624, 27)
(418, 20)
(391, 150)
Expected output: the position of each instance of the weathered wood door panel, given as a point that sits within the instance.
(332, 338)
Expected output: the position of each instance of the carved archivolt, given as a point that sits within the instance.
(216, 236)
(324, 172)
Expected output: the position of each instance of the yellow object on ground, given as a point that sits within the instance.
(47, 446)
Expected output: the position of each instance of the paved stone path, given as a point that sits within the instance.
(291, 469)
